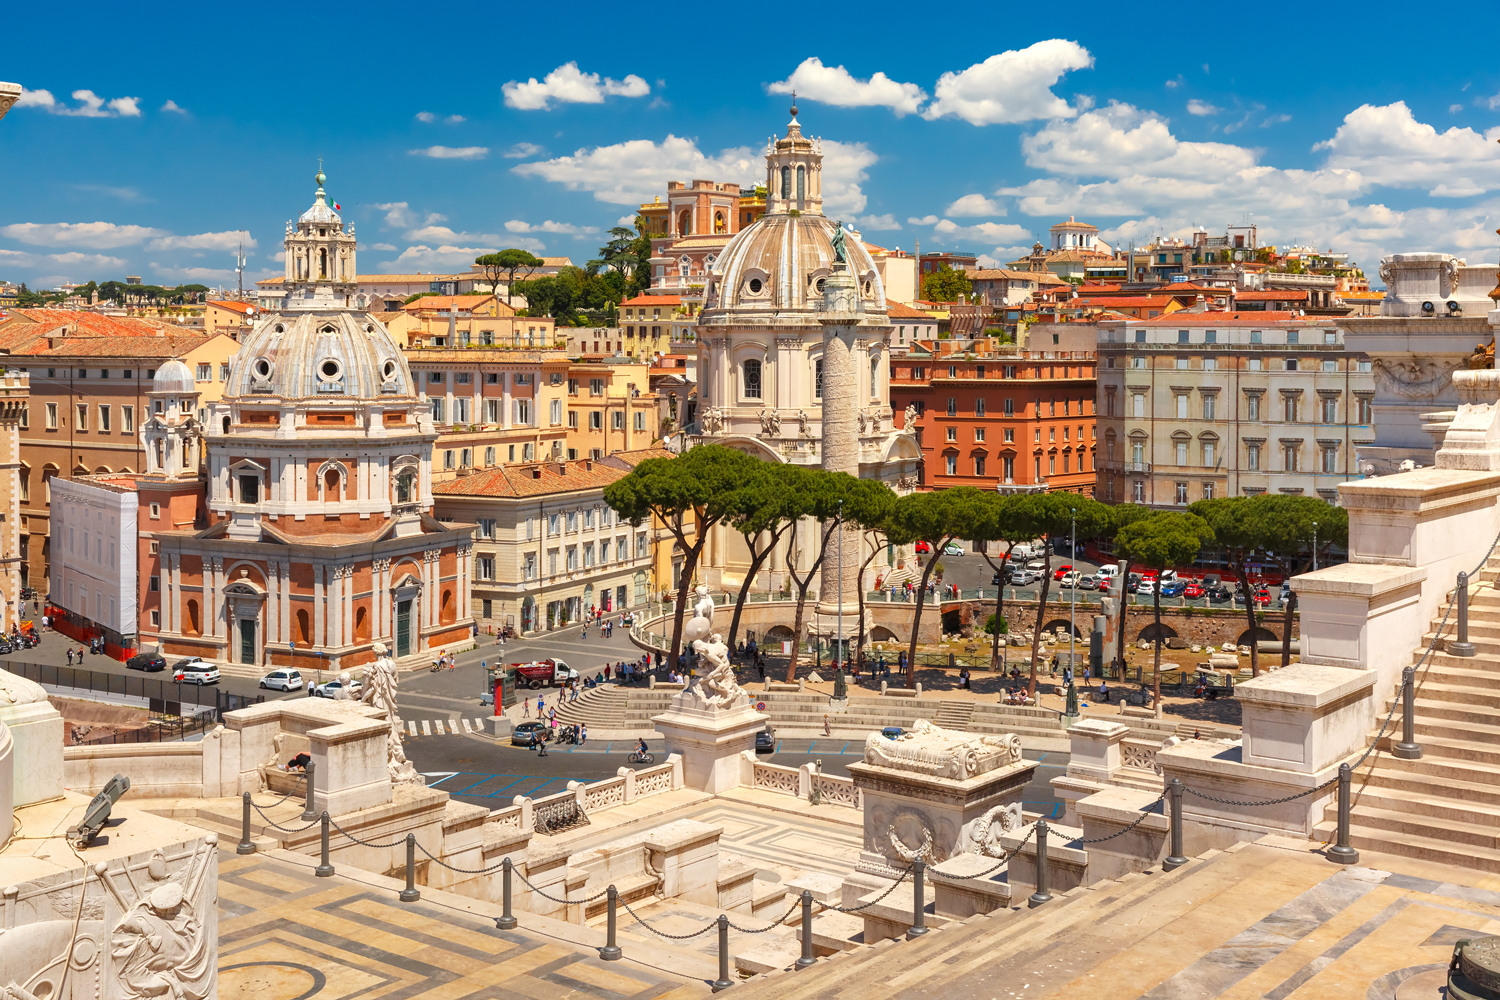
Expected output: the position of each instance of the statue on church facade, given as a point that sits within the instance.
(840, 251)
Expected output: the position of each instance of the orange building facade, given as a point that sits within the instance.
(995, 417)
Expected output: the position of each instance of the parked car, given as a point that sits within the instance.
(1192, 589)
(529, 734)
(1168, 575)
(1036, 564)
(1211, 580)
(1069, 579)
(196, 670)
(923, 547)
(1109, 570)
(1171, 588)
(1146, 587)
(1062, 571)
(331, 689)
(1092, 582)
(953, 549)
(765, 741)
(146, 661)
(891, 732)
(283, 680)
(1220, 594)
(1024, 577)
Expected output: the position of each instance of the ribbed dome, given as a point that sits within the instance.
(174, 376)
(774, 265)
(334, 356)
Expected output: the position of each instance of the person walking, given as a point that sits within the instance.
(826, 730)
(583, 733)
(310, 688)
(541, 706)
(70, 656)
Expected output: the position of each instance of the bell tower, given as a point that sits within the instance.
(171, 434)
(320, 265)
(794, 172)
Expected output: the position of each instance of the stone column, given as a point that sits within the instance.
(840, 318)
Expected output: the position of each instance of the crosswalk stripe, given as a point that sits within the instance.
(411, 727)
(467, 728)
(425, 730)
(478, 725)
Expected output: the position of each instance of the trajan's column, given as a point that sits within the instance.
(843, 347)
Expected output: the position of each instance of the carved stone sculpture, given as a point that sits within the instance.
(701, 624)
(864, 421)
(943, 753)
(923, 850)
(765, 421)
(773, 424)
(16, 690)
(802, 422)
(1413, 379)
(379, 691)
(718, 688)
(910, 425)
(982, 835)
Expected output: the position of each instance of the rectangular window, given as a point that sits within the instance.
(640, 545)
(1010, 435)
(979, 434)
(1209, 458)
(1330, 337)
(573, 419)
(1008, 371)
(1051, 465)
(552, 563)
(1009, 409)
(83, 417)
(1330, 457)
(435, 378)
(1181, 447)
(751, 379)
(572, 557)
(1289, 409)
(437, 410)
(155, 585)
(1210, 403)
(448, 459)
(1289, 457)
(1291, 364)
(952, 433)
(1330, 365)
(1292, 338)
(1210, 364)
(484, 568)
(104, 420)
(523, 412)
(1182, 336)
(492, 411)
(572, 520)
(1252, 406)
(127, 419)
(528, 566)
(205, 373)
(156, 618)
(640, 421)
(617, 420)
(156, 510)
(223, 372)
(952, 464)
(463, 378)
(1362, 407)
(486, 527)
(1182, 489)
(1210, 336)
(596, 387)
(555, 411)
(1140, 336)
(461, 405)
(1138, 362)
(1138, 404)
(552, 524)
(1328, 407)
(1182, 405)
(249, 489)
(521, 378)
(952, 407)
(622, 549)
(979, 407)
(978, 465)
(1182, 363)
(489, 455)
(588, 554)
(596, 420)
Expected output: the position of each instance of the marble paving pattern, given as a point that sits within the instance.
(785, 839)
(286, 935)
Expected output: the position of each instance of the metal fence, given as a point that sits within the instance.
(161, 696)
(155, 731)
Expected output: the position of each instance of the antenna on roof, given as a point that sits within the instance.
(239, 269)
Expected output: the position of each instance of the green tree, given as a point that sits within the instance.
(945, 285)
(1240, 531)
(768, 505)
(507, 262)
(1060, 515)
(1119, 516)
(1008, 521)
(874, 521)
(1163, 541)
(628, 253)
(938, 517)
(689, 494)
(1292, 520)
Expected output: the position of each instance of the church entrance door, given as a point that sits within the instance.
(247, 641)
(403, 628)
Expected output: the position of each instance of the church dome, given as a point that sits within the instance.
(778, 264)
(338, 357)
(321, 213)
(174, 376)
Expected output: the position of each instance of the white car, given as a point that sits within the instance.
(1023, 577)
(1110, 571)
(1037, 564)
(1146, 588)
(953, 550)
(196, 670)
(331, 689)
(283, 680)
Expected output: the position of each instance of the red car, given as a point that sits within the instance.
(923, 547)
(1062, 571)
(1262, 596)
(1193, 589)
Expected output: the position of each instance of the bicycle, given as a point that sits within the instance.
(636, 757)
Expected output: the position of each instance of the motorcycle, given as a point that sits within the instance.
(5, 645)
(567, 734)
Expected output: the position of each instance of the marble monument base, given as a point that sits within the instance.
(710, 739)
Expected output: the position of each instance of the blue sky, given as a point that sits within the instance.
(449, 133)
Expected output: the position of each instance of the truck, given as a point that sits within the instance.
(543, 673)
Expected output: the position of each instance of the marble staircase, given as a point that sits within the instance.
(1444, 806)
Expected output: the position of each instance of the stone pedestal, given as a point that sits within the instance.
(1304, 717)
(1094, 762)
(709, 738)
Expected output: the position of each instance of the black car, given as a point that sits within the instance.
(146, 661)
(765, 741)
(1219, 594)
(529, 734)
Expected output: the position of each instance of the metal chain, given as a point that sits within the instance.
(663, 934)
(366, 843)
(1139, 820)
(300, 778)
(778, 923)
(866, 906)
(461, 871)
(1271, 802)
(283, 829)
(998, 865)
(544, 895)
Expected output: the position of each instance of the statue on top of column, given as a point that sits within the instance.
(840, 251)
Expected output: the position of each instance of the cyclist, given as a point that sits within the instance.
(641, 748)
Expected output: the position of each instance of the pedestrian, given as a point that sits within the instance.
(541, 706)
(826, 730)
(541, 743)
(583, 733)
(525, 708)
(70, 657)
(606, 671)
(310, 687)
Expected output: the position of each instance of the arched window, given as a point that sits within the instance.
(304, 628)
(405, 487)
(786, 182)
(875, 376)
(719, 226)
(446, 613)
(361, 625)
(323, 262)
(818, 379)
(752, 379)
(684, 223)
(192, 618)
(801, 183)
(330, 485)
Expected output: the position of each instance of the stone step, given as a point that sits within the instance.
(1416, 821)
(1450, 788)
(1428, 727)
(1440, 771)
(1439, 849)
(1487, 646)
(1460, 671)
(1454, 709)
(1448, 748)
(1431, 803)
(1437, 696)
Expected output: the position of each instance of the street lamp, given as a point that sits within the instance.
(839, 666)
(1315, 546)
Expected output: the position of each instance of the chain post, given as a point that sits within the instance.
(1341, 853)
(1408, 748)
(410, 893)
(918, 901)
(308, 814)
(1041, 895)
(808, 958)
(1174, 795)
(723, 982)
(611, 951)
(245, 846)
(507, 920)
(1462, 646)
(325, 869)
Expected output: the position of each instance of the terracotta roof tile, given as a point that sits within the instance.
(897, 310)
(512, 481)
(654, 300)
(1262, 318)
(117, 347)
(1273, 295)
(239, 307)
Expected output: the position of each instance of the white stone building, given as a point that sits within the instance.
(94, 548)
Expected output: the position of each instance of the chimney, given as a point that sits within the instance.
(536, 473)
(562, 468)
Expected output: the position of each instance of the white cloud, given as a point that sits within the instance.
(90, 105)
(569, 85)
(1121, 141)
(626, 220)
(845, 166)
(398, 214)
(925, 220)
(455, 119)
(1201, 108)
(203, 241)
(1014, 86)
(1175, 82)
(36, 99)
(629, 173)
(973, 205)
(990, 232)
(75, 259)
(878, 222)
(442, 234)
(381, 246)
(1492, 103)
(429, 118)
(174, 106)
(1454, 109)
(835, 85)
(565, 228)
(452, 152)
(100, 235)
(1388, 146)
(1275, 120)
(522, 150)
(441, 258)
